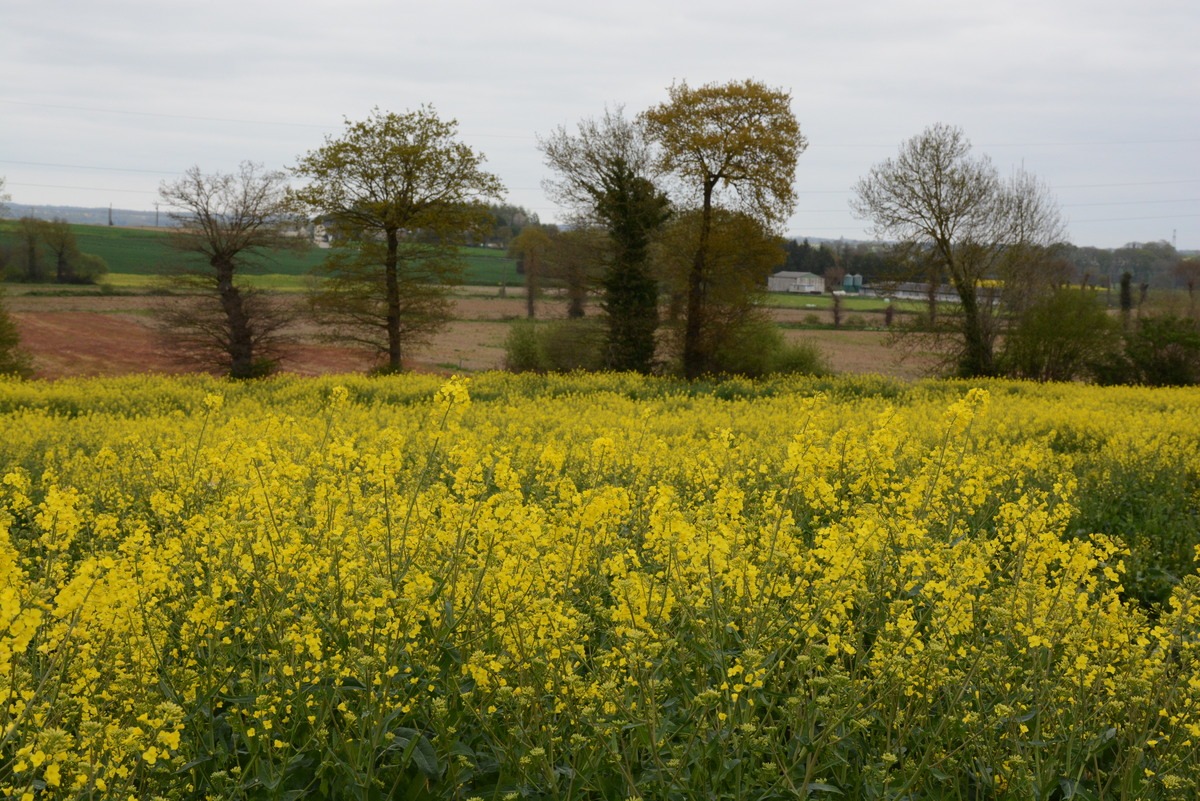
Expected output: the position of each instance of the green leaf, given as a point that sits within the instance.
(1073, 789)
(426, 758)
(818, 787)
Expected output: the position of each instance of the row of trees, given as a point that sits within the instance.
(401, 193)
(688, 195)
(41, 251)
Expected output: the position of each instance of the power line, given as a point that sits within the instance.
(90, 188)
(1131, 202)
(1134, 183)
(859, 145)
(162, 115)
(1131, 219)
(233, 120)
(88, 167)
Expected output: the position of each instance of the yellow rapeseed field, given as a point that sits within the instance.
(597, 587)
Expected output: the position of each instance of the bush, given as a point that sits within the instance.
(756, 348)
(1158, 352)
(1059, 338)
(1165, 351)
(557, 346)
(13, 360)
(800, 358)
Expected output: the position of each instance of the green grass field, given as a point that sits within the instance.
(781, 300)
(133, 252)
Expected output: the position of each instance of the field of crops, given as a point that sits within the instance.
(600, 587)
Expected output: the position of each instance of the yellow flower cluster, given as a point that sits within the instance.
(600, 586)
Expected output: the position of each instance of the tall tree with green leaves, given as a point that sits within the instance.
(27, 256)
(732, 146)
(401, 192)
(529, 248)
(604, 172)
(742, 253)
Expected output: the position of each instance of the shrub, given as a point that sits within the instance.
(756, 348)
(13, 360)
(1165, 351)
(1158, 352)
(557, 346)
(1059, 337)
(800, 358)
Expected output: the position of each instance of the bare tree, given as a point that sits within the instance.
(231, 221)
(990, 237)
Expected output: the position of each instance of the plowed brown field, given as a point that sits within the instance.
(95, 335)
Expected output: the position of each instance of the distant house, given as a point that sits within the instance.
(801, 283)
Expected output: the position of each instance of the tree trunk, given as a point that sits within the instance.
(531, 284)
(241, 343)
(977, 355)
(392, 289)
(695, 360)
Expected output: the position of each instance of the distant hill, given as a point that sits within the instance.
(123, 218)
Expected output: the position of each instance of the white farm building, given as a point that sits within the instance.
(802, 283)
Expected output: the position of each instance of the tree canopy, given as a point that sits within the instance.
(399, 190)
(734, 145)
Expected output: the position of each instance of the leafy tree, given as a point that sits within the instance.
(953, 212)
(741, 253)
(402, 191)
(4, 197)
(1126, 298)
(70, 265)
(734, 144)
(604, 174)
(507, 223)
(529, 249)
(231, 221)
(1165, 351)
(27, 256)
(28, 262)
(1151, 263)
(64, 250)
(577, 259)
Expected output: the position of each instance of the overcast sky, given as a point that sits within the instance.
(101, 101)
